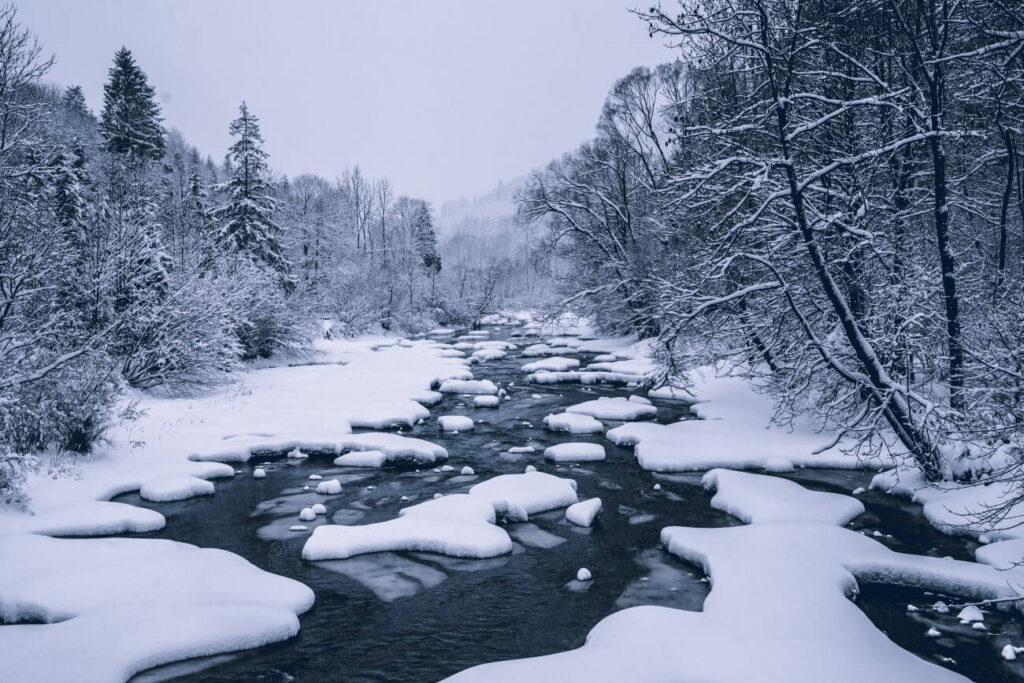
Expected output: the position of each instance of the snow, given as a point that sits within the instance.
(486, 401)
(535, 350)
(468, 386)
(466, 471)
(574, 423)
(517, 496)
(124, 605)
(175, 487)
(575, 452)
(584, 574)
(457, 525)
(329, 487)
(736, 432)
(970, 614)
(780, 592)
(759, 499)
(546, 377)
(488, 354)
(584, 512)
(552, 364)
(362, 459)
(669, 393)
(259, 473)
(307, 514)
(613, 409)
(96, 518)
(455, 423)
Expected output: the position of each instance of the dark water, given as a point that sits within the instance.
(421, 617)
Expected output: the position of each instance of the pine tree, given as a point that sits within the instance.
(244, 223)
(131, 122)
(74, 101)
(426, 240)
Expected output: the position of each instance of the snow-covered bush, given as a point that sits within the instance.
(14, 468)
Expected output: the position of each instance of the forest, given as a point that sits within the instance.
(827, 199)
(128, 261)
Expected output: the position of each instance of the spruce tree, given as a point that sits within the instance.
(131, 122)
(245, 222)
(74, 101)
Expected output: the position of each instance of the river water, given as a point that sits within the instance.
(421, 617)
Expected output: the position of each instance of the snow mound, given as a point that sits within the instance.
(362, 459)
(583, 512)
(487, 354)
(97, 518)
(574, 423)
(455, 423)
(575, 452)
(458, 526)
(468, 386)
(552, 364)
(535, 350)
(761, 499)
(329, 487)
(613, 409)
(671, 394)
(517, 496)
(486, 401)
(124, 605)
(175, 487)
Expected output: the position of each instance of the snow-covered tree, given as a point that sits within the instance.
(131, 122)
(245, 223)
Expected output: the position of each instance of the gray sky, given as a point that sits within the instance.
(444, 97)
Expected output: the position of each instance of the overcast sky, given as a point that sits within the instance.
(443, 97)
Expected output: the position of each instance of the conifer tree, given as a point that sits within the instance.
(245, 222)
(131, 122)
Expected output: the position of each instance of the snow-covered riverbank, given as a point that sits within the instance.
(780, 585)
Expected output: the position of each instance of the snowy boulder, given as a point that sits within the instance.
(552, 364)
(575, 452)
(530, 468)
(361, 459)
(455, 423)
(535, 350)
(614, 409)
(466, 471)
(636, 398)
(970, 614)
(296, 454)
(517, 496)
(779, 465)
(584, 574)
(259, 473)
(486, 401)
(486, 354)
(329, 487)
(459, 529)
(574, 423)
(307, 515)
(468, 386)
(583, 512)
(396, 447)
(1008, 653)
(522, 449)
(315, 477)
(171, 488)
(319, 509)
